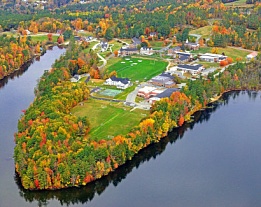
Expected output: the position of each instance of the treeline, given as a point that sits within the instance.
(14, 52)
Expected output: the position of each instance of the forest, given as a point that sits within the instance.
(15, 52)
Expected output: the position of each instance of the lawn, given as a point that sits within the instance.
(108, 119)
(239, 3)
(203, 31)
(41, 38)
(137, 68)
(230, 52)
(208, 64)
(116, 45)
(87, 50)
(156, 44)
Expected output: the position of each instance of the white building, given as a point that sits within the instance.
(209, 57)
(146, 51)
(193, 69)
(251, 56)
(121, 83)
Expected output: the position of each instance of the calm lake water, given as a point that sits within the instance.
(214, 161)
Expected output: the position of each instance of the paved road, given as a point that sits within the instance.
(102, 59)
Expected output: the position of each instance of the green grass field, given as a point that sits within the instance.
(108, 119)
(156, 44)
(230, 52)
(239, 3)
(208, 64)
(137, 68)
(41, 38)
(203, 31)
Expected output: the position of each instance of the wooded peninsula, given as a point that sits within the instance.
(65, 138)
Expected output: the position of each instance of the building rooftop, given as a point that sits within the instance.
(136, 41)
(167, 93)
(190, 67)
(123, 80)
(183, 57)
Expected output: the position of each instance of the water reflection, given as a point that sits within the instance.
(16, 74)
(22, 70)
(87, 193)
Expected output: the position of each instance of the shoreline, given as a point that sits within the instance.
(93, 179)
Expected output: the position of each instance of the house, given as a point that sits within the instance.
(164, 79)
(193, 69)
(27, 32)
(251, 56)
(126, 51)
(121, 83)
(191, 45)
(183, 57)
(75, 78)
(165, 94)
(136, 41)
(153, 34)
(89, 38)
(77, 38)
(149, 91)
(104, 46)
(146, 51)
(209, 57)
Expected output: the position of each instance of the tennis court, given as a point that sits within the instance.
(110, 92)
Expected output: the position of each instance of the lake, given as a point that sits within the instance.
(214, 161)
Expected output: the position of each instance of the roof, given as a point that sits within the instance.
(104, 44)
(167, 93)
(77, 77)
(136, 41)
(253, 54)
(87, 79)
(163, 76)
(146, 89)
(167, 75)
(213, 55)
(183, 57)
(190, 67)
(122, 80)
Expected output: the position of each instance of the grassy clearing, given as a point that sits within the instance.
(156, 44)
(230, 52)
(113, 61)
(116, 45)
(85, 33)
(41, 38)
(203, 31)
(108, 119)
(87, 50)
(239, 3)
(208, 65)
(135, 70)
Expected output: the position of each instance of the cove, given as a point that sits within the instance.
(213, 161)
